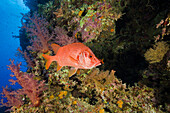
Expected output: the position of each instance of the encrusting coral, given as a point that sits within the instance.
(95, 18)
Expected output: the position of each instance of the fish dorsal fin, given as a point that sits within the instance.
(72, 72)
(55, 47)
(58, 67)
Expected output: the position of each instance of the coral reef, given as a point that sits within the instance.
(132, 44)
(109, 94)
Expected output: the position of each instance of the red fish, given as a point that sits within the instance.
(76, 55)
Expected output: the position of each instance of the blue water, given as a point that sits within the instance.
(9, 22)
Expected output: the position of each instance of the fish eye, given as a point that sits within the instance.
(90, 56)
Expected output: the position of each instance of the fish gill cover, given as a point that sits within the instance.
(132, 44)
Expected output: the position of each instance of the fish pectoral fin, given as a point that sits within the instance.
(72, 72)
(58, 67)
(73, 59)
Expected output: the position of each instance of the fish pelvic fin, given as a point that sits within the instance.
(49, 60)
(72, 72)
(78, 72)
(55, 48)
(58, 67)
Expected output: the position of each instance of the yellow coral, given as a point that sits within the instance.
(112, 30)
(157, 53)
(101, 111)
(74, 102)
(80, 13)
(62, 94)
(120, 103)
(52, 97)
(76, 35)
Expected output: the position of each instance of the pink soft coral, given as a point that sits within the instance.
(14, 98)
(30, 87)
(36, 27)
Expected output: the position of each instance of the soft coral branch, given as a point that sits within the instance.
(14, 98)
(36, 26)
(27, 57)
(30, 87)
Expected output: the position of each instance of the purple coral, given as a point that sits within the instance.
(90, 25)
(62, 38)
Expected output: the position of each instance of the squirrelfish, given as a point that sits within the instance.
(76, 55)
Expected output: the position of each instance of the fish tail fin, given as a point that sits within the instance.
(49, 60)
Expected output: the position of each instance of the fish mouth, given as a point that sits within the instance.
(98, 63)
